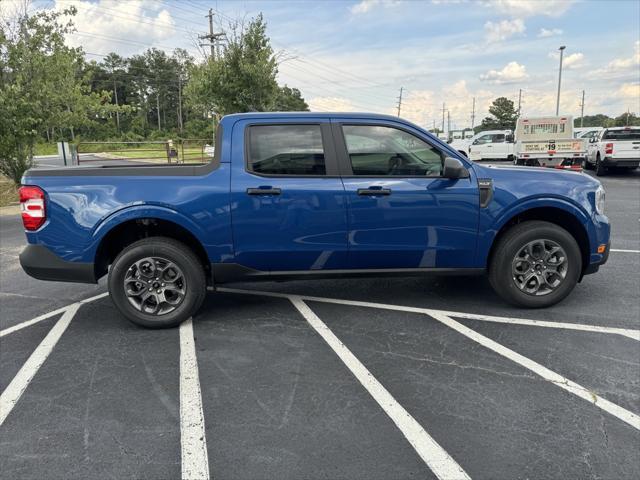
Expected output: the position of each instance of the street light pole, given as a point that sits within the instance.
(559, 80)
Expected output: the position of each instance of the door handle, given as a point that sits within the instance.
(264, 191)
(374, 191)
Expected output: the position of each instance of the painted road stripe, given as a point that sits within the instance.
(630, 333)
(193, 440)
(33, 321)
(16, 388)
(624, 251)
(438, 460)
(549, 375)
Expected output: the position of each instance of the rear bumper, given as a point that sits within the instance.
(41, 263)
(621, 162)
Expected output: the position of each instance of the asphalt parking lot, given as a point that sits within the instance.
(378, 378)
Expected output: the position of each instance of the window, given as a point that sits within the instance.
(497, 138)
(626, 134)
(483, 139)
(379, 150)
(286, 150)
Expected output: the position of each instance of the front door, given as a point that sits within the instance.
(288, 203)
(402, 213)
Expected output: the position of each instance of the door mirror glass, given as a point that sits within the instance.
(454, 168)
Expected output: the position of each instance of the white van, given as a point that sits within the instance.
(492, 145)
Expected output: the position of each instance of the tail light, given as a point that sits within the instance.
(32, 207)
(608, 148)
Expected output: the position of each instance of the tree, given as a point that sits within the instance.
(41, 86)
(503, 116)
(626, 120)
(290, 100)
(242, 80)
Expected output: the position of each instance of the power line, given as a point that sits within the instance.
(212, 37)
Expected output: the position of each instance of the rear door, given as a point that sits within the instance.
(288, 202)
(402, 213)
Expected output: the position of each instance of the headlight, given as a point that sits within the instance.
(600, 200)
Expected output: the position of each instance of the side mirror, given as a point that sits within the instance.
(454, 168)
(592, 140)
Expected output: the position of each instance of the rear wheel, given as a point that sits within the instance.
(157, 282)
(535, 264)
(600, 168)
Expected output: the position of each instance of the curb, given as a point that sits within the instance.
(10, 210)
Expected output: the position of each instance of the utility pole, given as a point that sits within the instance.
(212, 37)
(443, 110)
(400, 100)
(180, 102)
(448, 124)
(115, 93)
(559, 80)
(519, 101)
(582, 110)
(473, 113)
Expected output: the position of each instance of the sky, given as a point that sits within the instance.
(357, 55)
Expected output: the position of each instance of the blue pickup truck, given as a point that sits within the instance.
(309, 195)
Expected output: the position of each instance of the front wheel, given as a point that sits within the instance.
(535, 264)
(157, 282)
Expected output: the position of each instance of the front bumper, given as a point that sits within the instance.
(41, 263)
(595, 266)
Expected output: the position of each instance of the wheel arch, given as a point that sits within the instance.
(131, 225)
(562, 217)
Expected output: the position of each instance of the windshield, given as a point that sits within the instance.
(626, 134)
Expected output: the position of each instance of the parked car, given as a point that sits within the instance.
(309, 195)
(492, 145)
(548, 142)
(614, 147)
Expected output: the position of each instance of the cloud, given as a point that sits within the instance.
(530, 8)
(629, 90)
(621, 65)
(511, 73)
(331, 104)
(138, 23)
(365, 6)
(574, 60)
(552, 32)
(500, 31)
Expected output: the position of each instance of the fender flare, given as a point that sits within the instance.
(134, 212)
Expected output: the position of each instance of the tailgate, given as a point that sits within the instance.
(626, 148)
(570, 146)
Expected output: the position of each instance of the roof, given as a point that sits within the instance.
(313, 114)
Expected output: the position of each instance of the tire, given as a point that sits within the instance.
(586, 164)
(175, 265)
(502, 274)
(601, 170)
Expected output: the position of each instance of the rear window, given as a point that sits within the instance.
(626, 134)
(286, 150)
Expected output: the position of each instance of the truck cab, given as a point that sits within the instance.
(617, 147)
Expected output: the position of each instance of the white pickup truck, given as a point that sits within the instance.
(548, 142)
(487, 145)
(614, 147)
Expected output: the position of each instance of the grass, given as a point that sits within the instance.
(45, 149)
(8, 192)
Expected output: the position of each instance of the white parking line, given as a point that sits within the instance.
(16, 388)
(624, 251)
(193, 440)
(42, 317)
(549, 375)
(438, 460)
(627, 332)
